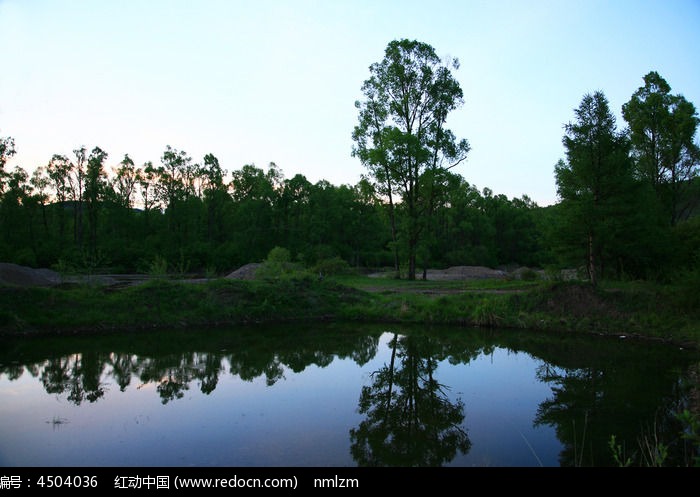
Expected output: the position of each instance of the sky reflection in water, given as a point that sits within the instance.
(315, 417)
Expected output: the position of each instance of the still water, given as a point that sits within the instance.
(338, 395)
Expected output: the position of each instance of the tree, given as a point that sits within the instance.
(662, 130)
(58, 170)
(215, 196)
(593, 181)
(401, 134)
(7, 150)
(173, 178)
(40, 182)
(293, 213)
(127, 177)
(254, 196)
(95, 184)
(172, 188)
(76, 180)
(14, 211)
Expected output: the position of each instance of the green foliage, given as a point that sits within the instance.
(685, 290)
(25, 257)
(224, 226)
(63, 267)
(404, 146)
(691, 433)
(279, 255)
(594, 184)
(656, 453)
(182, 266)
(618, 453)
(91, 261)
(278, 265)
(73, 210)
(490, 311)
(158, 268)
(331, 267)
(210, 271)
(662, 132)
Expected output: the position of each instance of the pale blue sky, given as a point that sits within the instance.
(262, 81)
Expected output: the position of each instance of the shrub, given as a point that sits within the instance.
(277, 265)
(333, 266)
(529, 275)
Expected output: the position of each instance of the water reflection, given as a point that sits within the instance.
(173, 366)
(590, 404)
(424, 398)
(409, 419)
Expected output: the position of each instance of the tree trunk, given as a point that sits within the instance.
(412, 266)
(591, 261)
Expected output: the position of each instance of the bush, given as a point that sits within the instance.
(277, 265)
(158, 268)
(528, 274)
(333, 266)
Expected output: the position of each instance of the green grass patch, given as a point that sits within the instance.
(654, 312)
(368, 283)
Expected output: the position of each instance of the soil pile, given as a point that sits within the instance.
(16, 275)
(465, 273)
(246, 272)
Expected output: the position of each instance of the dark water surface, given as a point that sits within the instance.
(338, 395)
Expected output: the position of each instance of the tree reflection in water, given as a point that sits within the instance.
(595, 388)
(409, 420)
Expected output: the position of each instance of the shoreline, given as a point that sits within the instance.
(158, 304)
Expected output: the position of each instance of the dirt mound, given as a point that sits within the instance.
(246, 272)
(465, 273)
(16, 275)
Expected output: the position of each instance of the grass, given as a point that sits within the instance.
(390, 284)
(633, 309)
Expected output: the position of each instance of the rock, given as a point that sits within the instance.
(16, 275)
(246, 272)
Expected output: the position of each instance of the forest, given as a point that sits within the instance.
(628, 196)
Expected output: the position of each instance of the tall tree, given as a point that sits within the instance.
(215, 196)
(147, 184)
(58, 170)
(592, 182)
(40, 183)
(76, 179)
(173, 177)
(7, 150)
(173, 187)
(401, 132)
(14, 211)
(127, 177)
(95, 183)
(254, 196)
(662, 131)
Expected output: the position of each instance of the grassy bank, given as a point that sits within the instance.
(659, 313)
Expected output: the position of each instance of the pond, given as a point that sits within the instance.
(332, 395)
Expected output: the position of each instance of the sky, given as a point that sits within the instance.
(261, 81)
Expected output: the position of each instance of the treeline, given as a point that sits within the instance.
(77, 212)
(628, 197)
